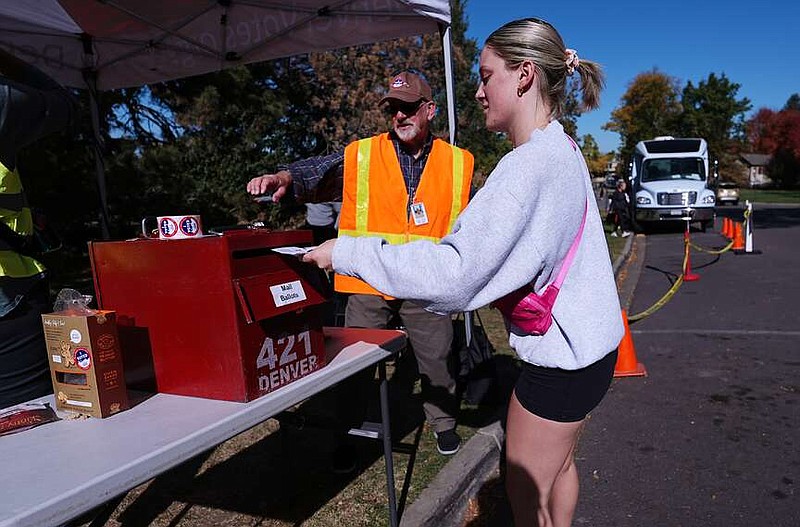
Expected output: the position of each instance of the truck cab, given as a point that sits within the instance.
(671, 181)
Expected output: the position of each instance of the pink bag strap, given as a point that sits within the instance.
(565, 265)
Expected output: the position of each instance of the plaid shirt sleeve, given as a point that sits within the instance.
(318, 179)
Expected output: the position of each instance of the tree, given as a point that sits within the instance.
(191, 144)
(649, 108)
(712, 111)
(350, 82)
(234, 124)
(793, 103)
(595, 161)
(778, 134)
(487, 147)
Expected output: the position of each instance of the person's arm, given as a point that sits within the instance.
(313, 180)
(514, 232)
(32, 105)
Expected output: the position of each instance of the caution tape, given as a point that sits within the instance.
(669, 294)
(727, 247)
(712, 251)
(674, 289)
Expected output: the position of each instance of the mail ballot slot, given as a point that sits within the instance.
(221, 316)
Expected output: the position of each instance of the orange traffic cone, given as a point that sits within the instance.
(627, 364)
(726, 227)
(738, 238)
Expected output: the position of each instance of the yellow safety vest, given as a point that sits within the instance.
(15, 213)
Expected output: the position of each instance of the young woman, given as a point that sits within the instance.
(516, 233)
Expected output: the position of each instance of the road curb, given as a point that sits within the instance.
(444, 501)
(618, 263)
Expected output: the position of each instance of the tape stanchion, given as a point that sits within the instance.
(746, 247)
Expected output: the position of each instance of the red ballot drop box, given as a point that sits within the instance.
(221, 316)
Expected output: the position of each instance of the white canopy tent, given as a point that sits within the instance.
(107, 44)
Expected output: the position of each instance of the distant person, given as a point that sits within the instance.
(619, 205)
(514, 237)
(31, 106)
(403, 185)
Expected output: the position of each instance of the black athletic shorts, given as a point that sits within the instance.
(564, 395)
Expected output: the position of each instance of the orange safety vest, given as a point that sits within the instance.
(375, 199)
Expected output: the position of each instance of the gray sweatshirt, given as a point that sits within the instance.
(517, 229)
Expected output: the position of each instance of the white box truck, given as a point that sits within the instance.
(671, 180)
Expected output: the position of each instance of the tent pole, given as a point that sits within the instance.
(447, 46)
(99, 161)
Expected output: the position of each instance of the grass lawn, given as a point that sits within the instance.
(769, 196)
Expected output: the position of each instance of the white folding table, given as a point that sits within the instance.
(57, 471)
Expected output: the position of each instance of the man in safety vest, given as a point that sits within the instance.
(31, 106)
(403, 185)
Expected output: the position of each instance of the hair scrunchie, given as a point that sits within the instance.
(572, 61)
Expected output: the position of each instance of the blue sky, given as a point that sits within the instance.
(755, 44)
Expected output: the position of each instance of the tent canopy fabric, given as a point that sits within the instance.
(108, 44)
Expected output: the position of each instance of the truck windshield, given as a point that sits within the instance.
(666, 169)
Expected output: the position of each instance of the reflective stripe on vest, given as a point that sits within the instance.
(15, 214)
(362, 199)
(458, 186)
(372, 171)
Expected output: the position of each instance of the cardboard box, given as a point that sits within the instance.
(86, 362)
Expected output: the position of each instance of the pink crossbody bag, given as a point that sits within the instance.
(531, 312)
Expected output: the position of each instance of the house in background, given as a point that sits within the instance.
(756, 165)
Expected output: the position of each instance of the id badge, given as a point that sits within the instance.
(419, 214)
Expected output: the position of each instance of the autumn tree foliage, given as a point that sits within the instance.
(650, 107)
(778, 134)
(595, 160)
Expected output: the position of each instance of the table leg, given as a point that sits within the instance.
(387, 444)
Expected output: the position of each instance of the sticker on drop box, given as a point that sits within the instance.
(288, 293)
(75, 336)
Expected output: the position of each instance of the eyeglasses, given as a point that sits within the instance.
(407, 108)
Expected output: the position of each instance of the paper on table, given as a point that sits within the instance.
(293, 251)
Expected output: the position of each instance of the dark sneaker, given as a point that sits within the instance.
(447, 442)
(343, 459)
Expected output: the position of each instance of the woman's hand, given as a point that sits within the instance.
(322, 255)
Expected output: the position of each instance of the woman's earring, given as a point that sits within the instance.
(520, 91)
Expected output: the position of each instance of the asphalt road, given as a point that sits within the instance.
(709, 437)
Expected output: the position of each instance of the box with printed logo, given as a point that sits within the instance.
(86, 362)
